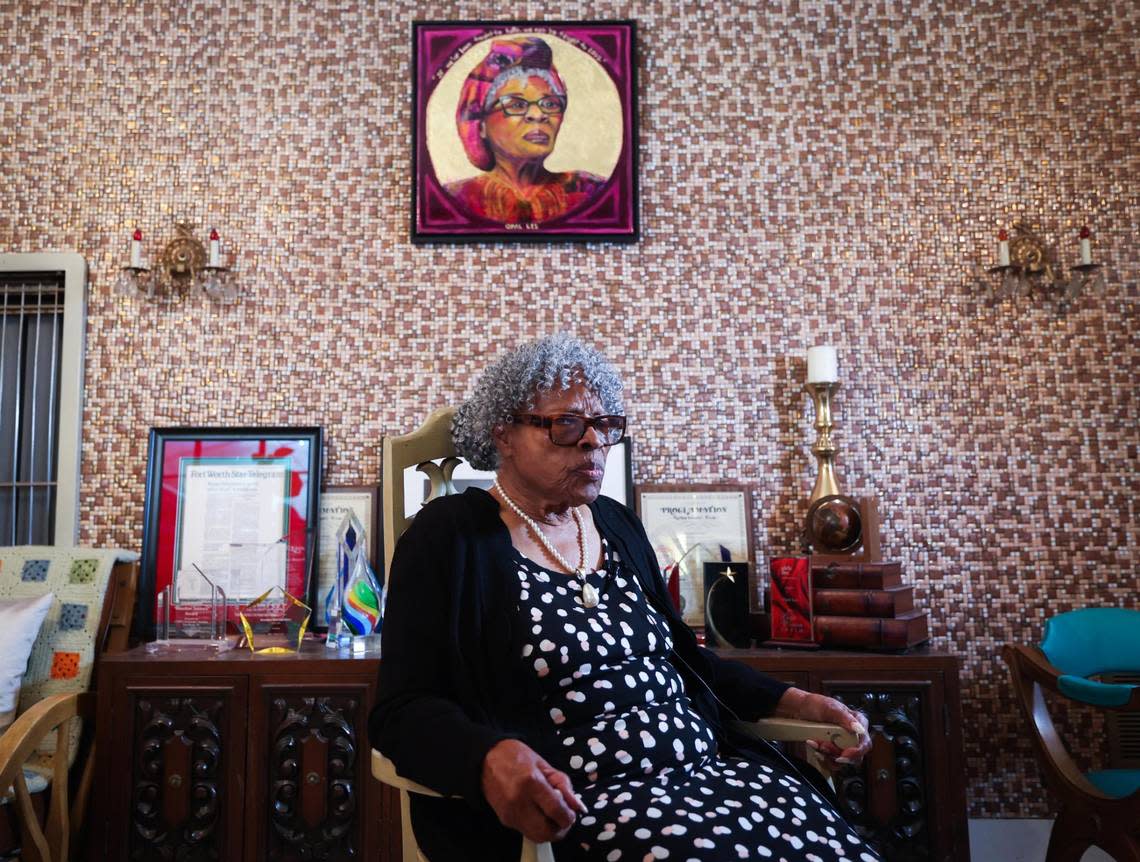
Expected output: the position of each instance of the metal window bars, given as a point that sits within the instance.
(31, 330)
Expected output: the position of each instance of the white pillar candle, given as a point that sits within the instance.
(1086, 246)
(136, 249)
(215, 248)
(1003, 248)
(822, 365)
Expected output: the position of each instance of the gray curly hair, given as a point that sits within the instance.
(512, 383)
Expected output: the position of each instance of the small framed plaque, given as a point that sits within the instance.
(336, 502)
(689, 525)
(726, 604)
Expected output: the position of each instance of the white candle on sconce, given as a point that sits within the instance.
(136, 249)
(1086, 246)
(822, 365)
(1003, 247)
(215, 248)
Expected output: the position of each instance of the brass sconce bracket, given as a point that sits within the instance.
(1028, 252)
(184, 256)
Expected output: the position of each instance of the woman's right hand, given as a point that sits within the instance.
(527, 793)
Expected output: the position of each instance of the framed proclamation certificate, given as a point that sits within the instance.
(689, 525)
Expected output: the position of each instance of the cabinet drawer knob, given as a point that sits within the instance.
(312, 778)
(175, 780)
(882, 775)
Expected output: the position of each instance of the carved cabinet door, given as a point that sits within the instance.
(181, 751)
(310, 797)
(888, 798)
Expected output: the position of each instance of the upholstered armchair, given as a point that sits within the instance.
(430, 449)
(1078, 650)
(60, 608)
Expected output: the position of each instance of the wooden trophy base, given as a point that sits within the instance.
(868, 549)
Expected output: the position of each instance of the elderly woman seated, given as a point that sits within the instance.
(535, 667)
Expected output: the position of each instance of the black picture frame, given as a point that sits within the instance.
(608, 209)
(171, 450)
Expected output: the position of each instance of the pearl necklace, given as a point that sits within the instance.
(589, 594)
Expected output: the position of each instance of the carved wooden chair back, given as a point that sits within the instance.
(1099, 807)
(430, 450)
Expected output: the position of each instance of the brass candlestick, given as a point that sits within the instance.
(824, 447)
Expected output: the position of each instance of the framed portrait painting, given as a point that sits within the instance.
(524, 131)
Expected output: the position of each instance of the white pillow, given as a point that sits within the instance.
(20, 621)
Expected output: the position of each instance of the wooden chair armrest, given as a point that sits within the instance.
(796, 730)
(1030, 663)
(1031, 673)
(1100, 694)
(59, 831)
(384, 771)
(27, 732)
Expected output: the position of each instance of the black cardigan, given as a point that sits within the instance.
(448, 687)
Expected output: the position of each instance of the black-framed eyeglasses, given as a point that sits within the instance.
(566, 429)
(517, 106)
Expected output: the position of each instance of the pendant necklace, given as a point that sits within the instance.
(589, 594)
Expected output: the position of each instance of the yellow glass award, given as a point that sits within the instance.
(296, 620)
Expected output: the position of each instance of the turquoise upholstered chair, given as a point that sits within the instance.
(1099, 808)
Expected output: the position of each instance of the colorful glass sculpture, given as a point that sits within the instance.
(361, 609)
(349, 536)
(354, 607)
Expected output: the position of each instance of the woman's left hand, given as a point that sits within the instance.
(808, 706)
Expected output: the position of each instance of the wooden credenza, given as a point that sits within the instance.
(908, 796)
(238, 757)
(242, 757)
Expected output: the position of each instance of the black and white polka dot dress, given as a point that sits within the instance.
(643, 760)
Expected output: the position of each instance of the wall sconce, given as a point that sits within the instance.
(1028, 266)
(184, 264)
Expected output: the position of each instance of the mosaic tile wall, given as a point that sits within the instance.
(812, 172)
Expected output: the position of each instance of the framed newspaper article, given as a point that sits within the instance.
(237, 505)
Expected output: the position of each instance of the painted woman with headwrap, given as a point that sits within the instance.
(510, 110)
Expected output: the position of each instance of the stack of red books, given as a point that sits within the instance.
(864, 605)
